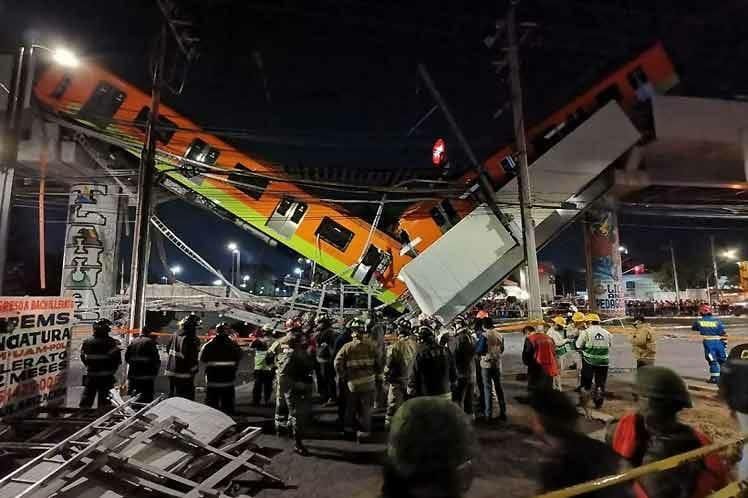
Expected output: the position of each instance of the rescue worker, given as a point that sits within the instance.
(490, 348)
(653, 433)
(573, 331)
(733, 388)
(397, 367)
(643, 343)
(342, 340)
(539, 354)
(102, 357)
(263, 369)
(143, 363)
(463, 352)
(594, 343)
(220, 357)
(325, 337)
(357, 364)
(183, 364)
(293, 356)
(433, 368)
(564, 349)
(430, 451)
(712, 331)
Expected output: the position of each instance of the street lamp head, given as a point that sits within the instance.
(217, 281)
(297, 271)
(308, 261)
(730, 254)
(232, 247)
(245, 278)
(623, 250)
(175, 270)
(65, 57)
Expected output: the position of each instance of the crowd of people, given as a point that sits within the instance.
(441, 382)
(688, 307)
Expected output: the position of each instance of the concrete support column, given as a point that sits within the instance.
(604, 273)
(91, 256)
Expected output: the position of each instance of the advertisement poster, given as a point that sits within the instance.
(35, 334)
(605, 264)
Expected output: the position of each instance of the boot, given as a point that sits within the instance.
(299, 446)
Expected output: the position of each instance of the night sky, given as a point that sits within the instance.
(334, 83)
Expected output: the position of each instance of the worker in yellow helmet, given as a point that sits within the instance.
(572, 333)
(564, 348)
(594, 343)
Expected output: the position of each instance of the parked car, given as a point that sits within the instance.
(740, 308)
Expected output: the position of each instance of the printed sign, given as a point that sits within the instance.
(35, 335)
(605, 263)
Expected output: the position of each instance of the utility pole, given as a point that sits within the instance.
(714, 266)
(675, 277)
(141, 240)
(19, 85)
(525, 189)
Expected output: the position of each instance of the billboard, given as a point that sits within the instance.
(35, 334)
(606, 292)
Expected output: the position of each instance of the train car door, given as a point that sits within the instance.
(287, 216)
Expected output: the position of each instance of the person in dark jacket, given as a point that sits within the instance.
(433, 368)
(182, 364)
(342, 340)
(221, 357)
(143, 362)
(463, 353)
(325, 337)
(571, 457)
(102, 357)
(733, 388)
(539, 354)
(263, 368)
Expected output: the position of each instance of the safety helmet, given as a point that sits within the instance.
(592, 317)
(705, 309)
(356, 325)
(425, 333)
(430, 435)
(102, 326)
(322, 318)
(560, 321)
(459, 323)
(577, 317)
(661, 383)
(404, 327)
(268, 327)
(191, 322)
(222, 328)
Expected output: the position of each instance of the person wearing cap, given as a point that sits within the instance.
(324, 337)
(463, 352)
(573, 330)
(263, 368)
(653, 432)
(357, 364)
(594, 343)
(143, 363)
(712, 332)
(489, 348)
(430, 451)
(643, 343)
(221, 356)
(733, 388)
(397, 368)
(564, 348)
(342, 340)
(183, 363)
(101, 356)
(539, 354)
(433, 367)
(571, 457)
(294, 360)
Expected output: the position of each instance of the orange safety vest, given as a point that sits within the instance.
(715, 475)
(545, 352)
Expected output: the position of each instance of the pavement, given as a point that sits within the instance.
(509, 455)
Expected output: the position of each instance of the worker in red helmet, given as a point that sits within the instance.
(712, 332)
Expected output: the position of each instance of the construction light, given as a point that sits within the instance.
(232, 247)
(730, 254)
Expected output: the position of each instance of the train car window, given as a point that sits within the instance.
(200, 151)
(334, 234)
(298, 213)
(61, 87)
(438, 217)
(449, 210)
(369, 265)
(509, 165)
(284, 206)
(255, 185)
(102, 105)
(610, 93)
(165, 129)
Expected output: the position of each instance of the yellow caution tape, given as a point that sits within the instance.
(734, 489)
(658, 466)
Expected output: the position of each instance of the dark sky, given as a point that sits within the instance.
(334, 82)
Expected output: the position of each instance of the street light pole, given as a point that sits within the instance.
(675, 277)
(525, 189)
(141, 241)
(714, 267)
